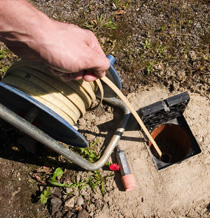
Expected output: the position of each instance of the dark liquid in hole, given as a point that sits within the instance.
(165, 158)
(172, 152)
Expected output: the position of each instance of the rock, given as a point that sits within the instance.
(181, 75)
(58, 215)
(70, 214)
(78, 177)
(70, 203)
(159, 66)
(74, 216)
(75, 191)
(170, 72)
(89, 137)
(85, 192)
(131, 88)
(55, 204)
(125, 85)
(109, 109)
(90, 208)
(69, 190)
(192, 55)
(83, 214)
(80, 201)
(208, 81)
(98, 203)
(82, 122)
(56, 192)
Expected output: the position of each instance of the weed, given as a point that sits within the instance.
(149, 68)
(6, 57)
(97, 180)
(110, 24)
(162, 28)
(59, 172)
(44, 196)
(94, 180)
(89, 153)
(100, 22)
(53, 181)
(121, 4)
(3, 53)
(3, 69)
(161, 50)
(146, 44)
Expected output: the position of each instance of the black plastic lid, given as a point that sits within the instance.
(163, 111)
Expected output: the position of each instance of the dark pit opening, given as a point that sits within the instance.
(173, 142)
(166, 158)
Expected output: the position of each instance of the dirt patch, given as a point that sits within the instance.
(161, 49)
(183, 184)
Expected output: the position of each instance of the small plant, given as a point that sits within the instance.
(6, 57)
(3, 69)
(121, 4)
(52, 177)
(59, 172)
(161, 50)
(89, 153)
(100, 22)
(149, 68)
(94, 180)
(44, 196)
(162, 28)
(97, 180)
(3, 53)
(146, 44)
(109, 24)
(53, 181)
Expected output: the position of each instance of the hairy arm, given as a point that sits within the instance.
(65, 47)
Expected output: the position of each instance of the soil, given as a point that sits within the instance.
(161, 49)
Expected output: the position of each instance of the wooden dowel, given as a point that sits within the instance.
(130, 107)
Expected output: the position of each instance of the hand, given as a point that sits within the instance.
(70, 51)
(73, 53)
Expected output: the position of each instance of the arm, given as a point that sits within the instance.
(64, 47)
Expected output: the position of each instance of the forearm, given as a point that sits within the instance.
(30, 34)
(20, 22)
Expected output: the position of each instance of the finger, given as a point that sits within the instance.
(97, 63)
(77, 76)
(55, 72)
(66, 77)
(89, 76)
(71, 76)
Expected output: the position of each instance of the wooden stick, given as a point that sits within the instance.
(130, 107)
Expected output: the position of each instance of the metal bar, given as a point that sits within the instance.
(25, 126)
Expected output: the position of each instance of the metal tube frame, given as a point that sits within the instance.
(31, 130)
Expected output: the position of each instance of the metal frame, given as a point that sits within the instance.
(31, 130)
